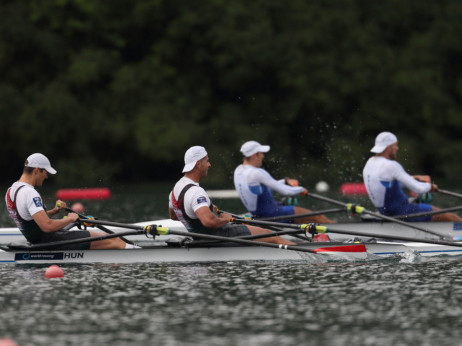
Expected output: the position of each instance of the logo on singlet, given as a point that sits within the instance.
(37, 201)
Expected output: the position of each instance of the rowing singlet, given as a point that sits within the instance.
(28, 228)
(194, 201)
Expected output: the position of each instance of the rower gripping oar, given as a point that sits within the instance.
(101, 227)
(361, 210)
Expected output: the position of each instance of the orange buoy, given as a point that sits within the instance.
(90, 193)
(7, 342)
(353, 189)
(54, 271)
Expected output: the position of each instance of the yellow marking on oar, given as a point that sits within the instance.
(321, 229)
(163, 230)
(355, 208)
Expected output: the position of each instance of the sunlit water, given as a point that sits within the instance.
(400, 301)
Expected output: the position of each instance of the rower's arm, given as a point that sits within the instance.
(210, 220)
(52, 225)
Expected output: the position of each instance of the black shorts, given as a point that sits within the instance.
(66, 235)
(230, 231)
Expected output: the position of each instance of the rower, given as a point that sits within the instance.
(26, 207)
(384, 178)
(255, 186)
(190, 204)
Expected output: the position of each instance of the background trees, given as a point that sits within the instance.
(118, 90)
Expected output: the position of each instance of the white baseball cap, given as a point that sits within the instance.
(251, 147)
(382, 141)
(193, 155)
(40, 161)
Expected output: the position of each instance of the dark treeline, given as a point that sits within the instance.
(118, 90)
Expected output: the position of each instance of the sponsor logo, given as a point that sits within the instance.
(38, 256)
(457, 226)
(37, 201)
(201, 199)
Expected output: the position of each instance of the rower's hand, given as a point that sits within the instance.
(434, 188)
(291, 182)
(73, 217)
(304, 193)
(225, 216)
(422, 178)
(60, 205)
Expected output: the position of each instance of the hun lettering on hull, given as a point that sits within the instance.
(73, 255)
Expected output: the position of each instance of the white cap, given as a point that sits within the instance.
(382, 141)
(40, 161)
(251, 147)
(193, 155)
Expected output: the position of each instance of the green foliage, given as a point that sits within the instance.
(119, 90)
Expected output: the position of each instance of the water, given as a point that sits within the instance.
(399, 301)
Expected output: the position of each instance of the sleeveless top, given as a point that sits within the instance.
(193, 225)
(29, 229)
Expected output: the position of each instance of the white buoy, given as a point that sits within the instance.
(322, 186)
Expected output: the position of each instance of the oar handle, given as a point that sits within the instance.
(101, 227)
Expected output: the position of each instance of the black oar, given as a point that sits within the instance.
(296, 216)
(166, 231)
(102, 228)
(313, 228)
(428, 213)
(40, 246)
(385, 236)
(449, 193)
(361, 210)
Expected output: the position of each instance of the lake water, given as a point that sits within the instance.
(396, 301)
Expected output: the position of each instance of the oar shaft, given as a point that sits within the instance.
(268, 223)
(378, 215)
(296, 216)
(449, 193)
(211, 237)
(433, 212)
(385, 236)
(79, 241)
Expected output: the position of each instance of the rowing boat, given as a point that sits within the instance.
(451, 230)
(177, 252)
(165, 248)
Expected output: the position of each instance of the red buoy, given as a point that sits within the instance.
(90, 193)
(352, 189)
(54, 271)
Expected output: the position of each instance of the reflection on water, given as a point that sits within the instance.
(259, 303)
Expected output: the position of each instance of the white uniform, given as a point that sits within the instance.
(384, 179)
(255, 186)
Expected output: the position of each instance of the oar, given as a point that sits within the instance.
(72, 241)
(165, 231)
(102, 228)
(427, 213)
(361, 210)
(323, 229)
(296, 216)
(313, 228)
(449, 193)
